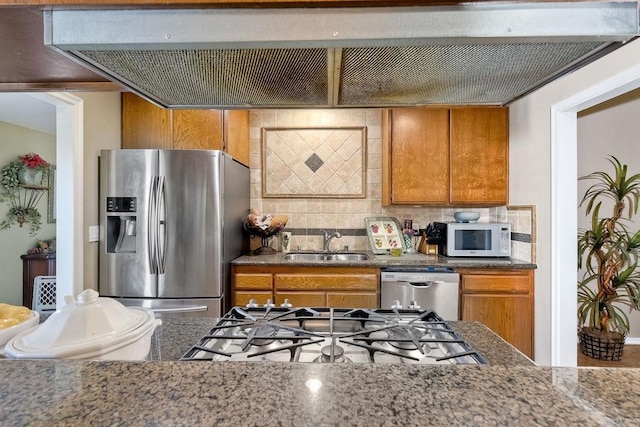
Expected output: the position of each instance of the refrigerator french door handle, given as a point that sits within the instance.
(152, 229)
(162, 225)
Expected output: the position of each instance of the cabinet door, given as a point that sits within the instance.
(325, 282)
(416, 156)
(143, 124)
(352, 300)
(302, 299)
(253, 281)
(242, 298)
(236, 135)
(197, 129)
(510, 316)
(479, 156)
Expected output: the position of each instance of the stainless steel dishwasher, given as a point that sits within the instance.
(430, 288)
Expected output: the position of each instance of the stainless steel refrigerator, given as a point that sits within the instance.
(171, 223)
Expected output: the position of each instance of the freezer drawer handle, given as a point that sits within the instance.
(180, 309)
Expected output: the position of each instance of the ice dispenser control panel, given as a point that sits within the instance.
(121, 204)
(121, 228)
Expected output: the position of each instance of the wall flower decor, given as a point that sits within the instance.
(22, 189)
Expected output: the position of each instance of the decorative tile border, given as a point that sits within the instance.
(523, 232)
(314, 162)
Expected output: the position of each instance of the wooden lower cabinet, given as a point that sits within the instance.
(337, 287)
(503, 300)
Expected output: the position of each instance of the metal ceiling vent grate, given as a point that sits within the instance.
(224, 77)
(451, 74)
(471, 53)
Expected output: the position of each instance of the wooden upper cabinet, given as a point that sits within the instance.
(479, 156)
(145, 125)
(445, 156)
(197, 129)
(418, 155)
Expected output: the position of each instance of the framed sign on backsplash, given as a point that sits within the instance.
(314, 162)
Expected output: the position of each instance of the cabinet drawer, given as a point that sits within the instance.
(516, 284)
(352, 300)
(327, 282)
(242, 298)
(302, 299)
(252, 281)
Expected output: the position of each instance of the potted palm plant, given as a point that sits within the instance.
(608, 251)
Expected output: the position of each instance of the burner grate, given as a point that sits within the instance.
(333, 335)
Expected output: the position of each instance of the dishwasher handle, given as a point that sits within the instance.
(423, 285)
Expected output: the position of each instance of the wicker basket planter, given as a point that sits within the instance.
(601, 345)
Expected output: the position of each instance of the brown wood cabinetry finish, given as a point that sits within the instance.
(479, 155)
(33, 266)
(445, 156)
(145, 125)
(197, 129)
(503, 300)
(338, 287)
(418, 154)
(302, 299)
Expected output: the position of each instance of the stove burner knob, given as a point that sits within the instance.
(413, 306)
(252, 304)
(396, 304)
(269, 304)
(286, 304)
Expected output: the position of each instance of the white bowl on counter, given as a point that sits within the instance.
(90, 327)
(8, 333)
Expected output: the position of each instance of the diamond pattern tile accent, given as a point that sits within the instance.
(314, 162)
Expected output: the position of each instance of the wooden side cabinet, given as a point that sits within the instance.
(145, 125)
(503, 300)
(33, 266)
(445, 156)
(337, 287)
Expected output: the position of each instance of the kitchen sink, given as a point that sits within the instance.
(324, 256)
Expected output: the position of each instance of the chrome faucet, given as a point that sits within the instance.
(328, 238)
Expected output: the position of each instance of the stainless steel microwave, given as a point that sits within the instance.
(477, 240)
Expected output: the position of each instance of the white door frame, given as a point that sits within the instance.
(69, 189)
(564, 214)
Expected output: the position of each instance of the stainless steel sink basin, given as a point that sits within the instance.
(323, 256)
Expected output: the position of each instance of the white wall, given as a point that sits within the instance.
(16, 141)
(101, 131)
(611, 128)
(530, 171)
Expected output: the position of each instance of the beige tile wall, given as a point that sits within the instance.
(309, 215)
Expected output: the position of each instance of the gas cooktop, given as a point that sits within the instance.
(332, 335)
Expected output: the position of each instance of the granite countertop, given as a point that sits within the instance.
(383, 261)
(162, 391)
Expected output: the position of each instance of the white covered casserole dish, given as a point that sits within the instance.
(90, 327)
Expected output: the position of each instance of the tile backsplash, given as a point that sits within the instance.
(308, 216)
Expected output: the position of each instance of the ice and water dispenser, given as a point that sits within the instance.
(121, 224)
